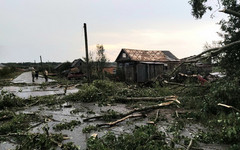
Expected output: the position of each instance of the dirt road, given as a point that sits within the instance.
(26, 77)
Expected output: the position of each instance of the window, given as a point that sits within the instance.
(124, 55)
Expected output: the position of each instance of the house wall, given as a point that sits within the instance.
(111, 70)
(140, 72)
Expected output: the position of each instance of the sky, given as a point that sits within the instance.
(54, 30)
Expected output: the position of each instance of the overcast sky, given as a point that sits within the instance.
(54, 28)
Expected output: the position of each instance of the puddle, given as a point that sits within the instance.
(28, 91)
(6, 146)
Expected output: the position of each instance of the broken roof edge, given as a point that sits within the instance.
(166, 53)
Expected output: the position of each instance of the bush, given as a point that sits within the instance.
(9, 100)
(99, 90)
(88, 93)
(105, 86)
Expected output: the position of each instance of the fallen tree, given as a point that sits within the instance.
(205, 55)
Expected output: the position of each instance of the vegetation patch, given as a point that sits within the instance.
(67, 126)
(8, 100)
(143, 137)
(17, 123)
(89, 128)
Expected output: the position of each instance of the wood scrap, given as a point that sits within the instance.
(120, 120)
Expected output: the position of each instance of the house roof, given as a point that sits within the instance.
(76, 62)
(149, 55)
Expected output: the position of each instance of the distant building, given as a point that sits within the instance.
(110, 67)
(78, 64)
(1, 66)
(144, 65)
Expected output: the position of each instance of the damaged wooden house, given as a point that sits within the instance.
(145, 65)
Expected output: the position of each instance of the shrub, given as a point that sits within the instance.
(9, 100)
(88, 93)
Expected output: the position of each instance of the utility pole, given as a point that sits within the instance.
(86, 46)
(41, 62)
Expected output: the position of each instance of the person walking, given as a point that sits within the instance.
(46, 75)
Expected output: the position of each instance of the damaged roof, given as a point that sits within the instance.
(148, 55)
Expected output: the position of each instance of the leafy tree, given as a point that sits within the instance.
(230, 58)
(101, 60)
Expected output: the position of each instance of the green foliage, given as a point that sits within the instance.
(106, 86)
(143, 92)
(230, 58)
(66, 126)
(6, 71)
(6, 114)
(88, 93)
(144, 137)
(41, 142)
(8, 100)
(18, 123)
(89, 128)
(199, 8)
(222, 92)
(70, 146)
(106, 91)
(101, 60)
(223, 129)
(110, 114)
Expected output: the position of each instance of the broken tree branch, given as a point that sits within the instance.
(149, 108)
(166, 98)
(156, 118)
(212, 51)
(228, 106)
(139, 109)
(120, 120)
(230, 12)
(190, 145)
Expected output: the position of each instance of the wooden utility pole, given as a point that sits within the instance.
(41, 62)
(86, 46)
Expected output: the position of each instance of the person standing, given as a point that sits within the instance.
(46, 75)
(36, 74)
(33, 75)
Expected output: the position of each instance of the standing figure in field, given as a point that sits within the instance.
(45, 73)
(33, 75)
(36, 74)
